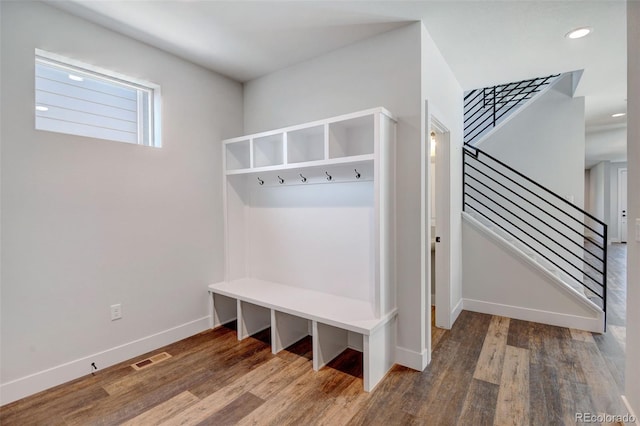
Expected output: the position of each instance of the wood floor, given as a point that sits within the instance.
(485, 370)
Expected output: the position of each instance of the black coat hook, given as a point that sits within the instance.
(260, 181)
(302, 178)
(357, 173)
(329, 178)
(280, 180)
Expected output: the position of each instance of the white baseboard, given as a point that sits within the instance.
(456, 311)
(42, 380)
(630, 410)
(534, 315)
(412, 359)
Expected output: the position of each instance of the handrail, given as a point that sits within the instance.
(494, 191)
(564, 200)
(487, 107)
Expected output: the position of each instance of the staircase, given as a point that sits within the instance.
(566, 243)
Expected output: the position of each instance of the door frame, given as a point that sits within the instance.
(622, 194)
(431, 123)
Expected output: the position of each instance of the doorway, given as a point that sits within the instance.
(622, 205)
(437, 228)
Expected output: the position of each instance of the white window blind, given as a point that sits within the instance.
(79, 99)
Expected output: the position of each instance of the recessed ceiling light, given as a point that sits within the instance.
(578, 32)
(75, 77)
(41, 108)
(618, 114)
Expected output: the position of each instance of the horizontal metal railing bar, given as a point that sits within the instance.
(478, 133)
(524, 93)
(541, 234)
(536, 206)
(483, 112)
(510, 108)
(544, 189)
(540, 220)
(486, 115)
(467, 102)
(527, 244)
(469, 94)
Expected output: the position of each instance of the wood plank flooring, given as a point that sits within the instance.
(485, 370)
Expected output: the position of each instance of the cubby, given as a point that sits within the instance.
(309, 239)
(306, 144)
(348, 138)
(237, 155)
(268, 150)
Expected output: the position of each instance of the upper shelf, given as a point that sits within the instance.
(338, 140)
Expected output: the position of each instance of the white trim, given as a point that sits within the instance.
(595, 325)
(153, 106)
(61, 61)
(325, 121)
(619, 206)
(455, 313)
(630, 410)
(45, 379)
(412, 359)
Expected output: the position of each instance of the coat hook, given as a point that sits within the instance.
(280, 180)
(329, 178)
(357, 173)
(304, 179)
(260, 181)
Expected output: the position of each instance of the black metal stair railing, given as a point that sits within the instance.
(485, 108)
(567, 240)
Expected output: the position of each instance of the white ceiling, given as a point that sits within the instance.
(484, 42)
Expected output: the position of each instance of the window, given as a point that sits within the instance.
(83, 100)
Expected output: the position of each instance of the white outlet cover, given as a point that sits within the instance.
(638, 230)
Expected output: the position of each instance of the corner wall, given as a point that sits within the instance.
(87, 223)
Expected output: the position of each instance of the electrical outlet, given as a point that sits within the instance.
(116, 312)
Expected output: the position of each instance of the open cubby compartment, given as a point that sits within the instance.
(268, 150)
(352, 137)
(225, 309)
(287, 329)
(306, 144)
(252, 319)
(238, 155)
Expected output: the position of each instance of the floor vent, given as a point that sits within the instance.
(151, 361)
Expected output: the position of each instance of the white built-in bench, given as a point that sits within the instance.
(335, 323)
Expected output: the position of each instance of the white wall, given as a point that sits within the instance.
(502, 282)
(632, 369)
(605, 145)
(381, 71)
(88, 223)
(545, 141)
(599, 191)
